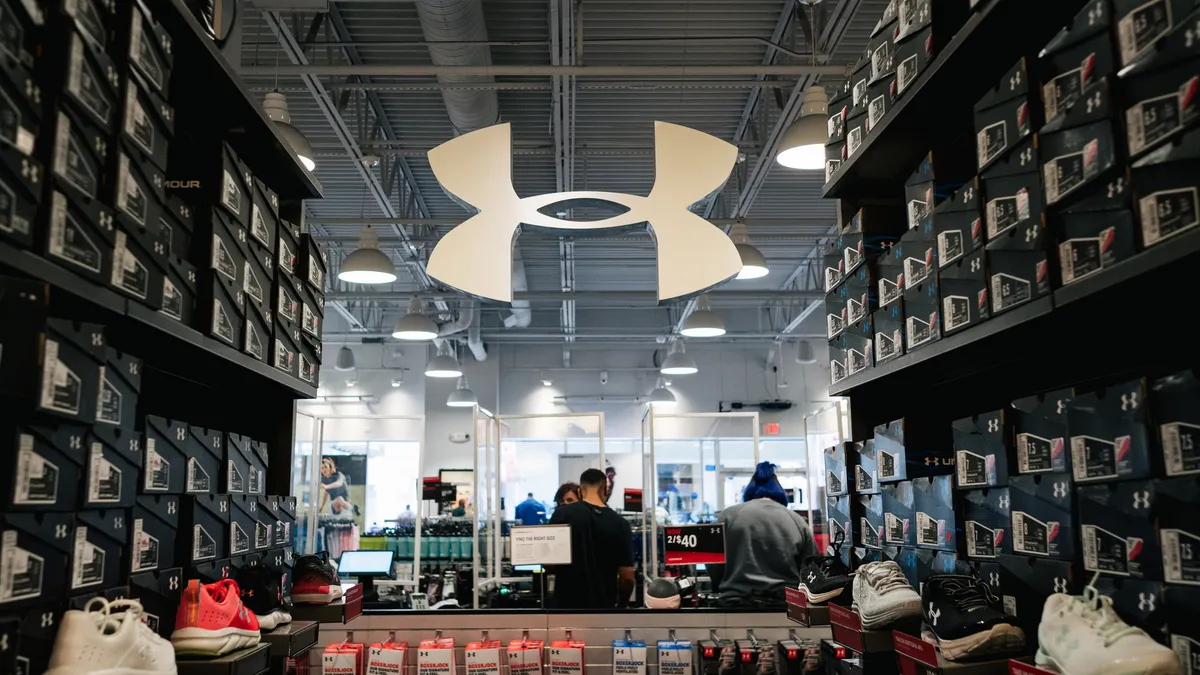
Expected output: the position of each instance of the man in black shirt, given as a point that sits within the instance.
(600, 575)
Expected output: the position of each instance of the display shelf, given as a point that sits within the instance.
(1154, 261)
(801, 612)
(239, 118)
(915, 655)
(251, 661)
(344, 610)
(988, 43)
(291, 639)
(59, 278)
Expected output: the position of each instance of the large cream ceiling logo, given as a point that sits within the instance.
(476, 170)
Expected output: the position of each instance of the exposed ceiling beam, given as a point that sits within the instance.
(647, 297)
(448, 222)
(430, 70)
(337, 85)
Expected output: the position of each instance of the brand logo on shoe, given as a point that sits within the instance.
(812, 576)
(1141, 500)
(1146, 602)
(1060, 585)
(934, 614)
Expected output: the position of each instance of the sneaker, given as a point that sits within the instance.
(262, 593)
(212, 620)
(1082, 635)
(882, 596)
(109, 638)
(315, 580)
(824, 578)
(961, 619)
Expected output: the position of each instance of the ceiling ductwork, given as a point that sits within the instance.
(460, 22)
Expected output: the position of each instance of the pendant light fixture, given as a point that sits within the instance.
(367, 264)
(803, 145)
(678, 362)
(444, 364)
(754, 264)
(805, 353)
(703, 322)
(345, 359)
(276, 106)
(414, 325)
(661, 396)
(462, 396)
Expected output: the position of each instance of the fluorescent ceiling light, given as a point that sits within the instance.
(678, 362)
(703, 322)
(462, 397)
(803, 145)
(367, 264)
(414, 325)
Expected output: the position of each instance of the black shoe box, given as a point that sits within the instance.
(287, 511)
(840, 103)
(111, 470)
(120, 386)
(211, 180)
(144, 45)
(1016, 277)
(1118, 528)
(1179, 535)
(1012, 194)
(868, 234)
(906, 452)
(140, 262)
(235, 472)
(935, 180)
(1043, 515)
(275, 510)
(982, 450)
(881, 96)
(1080, 154)
(1139, 602)
(1092, 242)
(838, 459)
(25, 304)
(220, 309)
(866, 467)
(313, 263)
(160, 593)
(221, 247)
(21, 94)
(1109, 434)
(987, 522)
(40, 469)
(71, 365)
(35, 629)
(75, 72)
(99, 540)
(944, 16)
(856, 128)
(913, 54)
(870, 520)
(264, 524)
(1006, 114)
(1140, 25)
(148, 121)
(838, 520)
(957, 224)
(285, 349)
(922, 321)
(835, 309)
(1080, 54)
(242, 524)
(260, 459)
(1175, 411)
(177, 226)
(21, 181)
(835, 154)
(1165, 186)
(138, 191)
(179, 291)
(899, 514)
(208, 572)
(908, 558)
(963, 285)
(933, 510)
(37, 549)
(834, 265)
(837, 361)
(856, 343)
(257, 280)
(1025, 583)
(288, 249)
(264, 216)
(165, 447)
(888, 323)
(204, 524)
(78, 233)
(90, 17)
(1040, 432)
(908, 262)
(205, 455)
(256, 336)
(287, 299)
(1155, 91)
(154, 524)
(312, 312)
(309, 369)
(882, 44)
(1183, 626)
(859, 77)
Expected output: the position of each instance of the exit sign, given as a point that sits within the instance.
(771, 429)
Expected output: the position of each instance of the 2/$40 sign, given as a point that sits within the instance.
(476, 170)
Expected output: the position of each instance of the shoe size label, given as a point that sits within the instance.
(1138, 30)
(956, 310)
(258, 226)
(287, 306)
(1108, 552)
(287, 258)
(36, 481)
(198, 480)
(834, 324)
(1009, 291)
(975, 470)
(222, 327)
(108, 406)
(991, 141)
(62, 389)
(881, 60)
(87, 562)
(84, 83)
(1037, 455)
(1086, 255)
(254, 344)
(906, 72)
(131, 196)
(1153, 119)
(1096, 458)
(1004, 213)
(887, 465)
(145, 548)
(239, 540)
(69, 240)
(929, 530)
(1167, 213)
(138, 125)
(1064, 173)
(252, 286)
(868, 535)
(853, 141)
(1060, 93)
(890, 289)
(258, 481)
(310, 321)
(875, 111)
(284, 358)
(21, 571)
(918, 211)
(856, 361)
(833, 483)
(143, 53)
(916, 269)
(172, 304)
(157, 474)
(833, 276)
(853, 256)
(921, 331)
(1181, 556)
(204, 546)
(857, 92)
(128, 273)
(71, 161)
(222, 259)
(887, 346)
(950, 247)
(235, 483)
(262, 535)
(231, 194)
(1032, 536)
(104, 478)
(1181, 448)
(863, 480)
(982, 542)
(895, 529)
(308, 369)
(831, 167)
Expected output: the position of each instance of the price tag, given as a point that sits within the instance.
(633, 500)
(695, 545)
(541, 545)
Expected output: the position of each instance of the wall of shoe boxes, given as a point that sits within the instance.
(1038, 497)
(96, 499)
(100, 182)
(1078, 167)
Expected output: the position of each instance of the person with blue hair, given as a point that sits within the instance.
(765, 545)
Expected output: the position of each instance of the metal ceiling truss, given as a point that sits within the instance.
(566, 21)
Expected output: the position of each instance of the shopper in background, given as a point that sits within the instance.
(460, 509)
(531, 511)
(568, 493)
(408, 513)
(600, 575)
(610, 478)
(765, 543)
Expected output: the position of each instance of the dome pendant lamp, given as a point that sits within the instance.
(367, 264)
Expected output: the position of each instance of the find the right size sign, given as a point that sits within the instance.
(695, 544)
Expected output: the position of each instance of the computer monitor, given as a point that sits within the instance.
(366, 563)
(527, 568)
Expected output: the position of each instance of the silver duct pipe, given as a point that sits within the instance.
(474, 340)
(521, 315)
(462, 321)
(461, 21)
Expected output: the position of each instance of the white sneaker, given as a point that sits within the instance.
(1082, 635)
(110, 638)
(882, 595)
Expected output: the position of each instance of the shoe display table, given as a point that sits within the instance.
(345, 610)
(801, 612)
(914, 655)
(252, 661)
(292, 638)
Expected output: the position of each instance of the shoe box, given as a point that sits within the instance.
(37, 552)
(1182, 607)
(963, 285)
(1043, 515)
(147, 120)
(287, 520)
(208, 572)
(21, 173)
(285, 348)
(165, 459)
(259, 293)
(881, 96)
(1079, 55)
(834, 265)
(97, 544)
(1139, 602)
(1151, 89)
(1012, 193)
(1081, 166)
(899, 514)
(41, 466)
(1016, 277)
(982, 450)
(211, 180)
(1093, 241)
(264, 216)
(1177, 501)
(922, 324)
(205, 457)
(1006, 115)
(309, 368)
(1118, 524)
(1175, 410)
(835, 152)
(913, 53)
(312, 312)
(144, 45)
(160, 593)
(934, 181)
(838, 516)
(888, 323)
(79, 233)
(837, 360)
(906, 558)
(881, 47)
(206, 519)
(280, 561)
(1039, 425)
(909, 261)
(906, 451)
(32, 638)
(835, 309)
(220, 309)
(177, 230)
(1140, 26)
(153, 528)
(111, 470)
(867, 234)
(1165, 188)
(313, 263)
(235, 469)
(1026, 582)
(50, 365)
(1109, 438)
(243, 519)
(288, 250)
(855, 346)
(260, 459)
(933, 510)
(264, 524)
(987, 522)
(870, 520)
(140, 254)
(838, 459)
(866, 468)
(120, 386)
(861, 294)
(957, 224)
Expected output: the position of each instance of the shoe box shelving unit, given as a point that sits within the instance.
(1018, 235)
(162, 313)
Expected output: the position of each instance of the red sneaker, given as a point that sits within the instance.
(315, 580)
(212, 620)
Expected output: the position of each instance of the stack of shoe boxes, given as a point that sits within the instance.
(841, 461)
(20, 171)
(881, 88)
(856, 117)
(259, 284)
(923, 27)
(285, 350)
(313, 265)
(840, 103)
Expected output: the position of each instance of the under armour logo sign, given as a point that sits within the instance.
(476, 169)
(1060, 490)
(993, 579)
(993, 425)
(1146, 602)
(1141, 500)
(1060, 585)
(934, 614)
(1129, 401)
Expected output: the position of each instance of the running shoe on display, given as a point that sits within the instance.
(826, 578)
(315, 580)
(213, 621)
(883, 597)
(109, 638)
(961, 619)
(262, 593)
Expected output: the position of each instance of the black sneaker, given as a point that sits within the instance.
(961, 618)
(826, 578)
(262, 593)
(314, 580)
